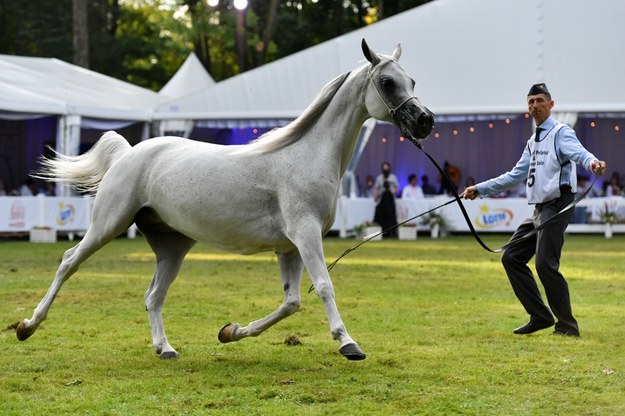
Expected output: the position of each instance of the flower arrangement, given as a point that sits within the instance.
(367, 229)
(42, 227)
(609, 216)
(434, 218)
(360, 228)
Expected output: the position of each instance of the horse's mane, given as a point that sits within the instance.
(284, 136)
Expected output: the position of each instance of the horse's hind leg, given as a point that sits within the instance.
(170, 248)
(111, 216)
(72, 258)
(291, 268)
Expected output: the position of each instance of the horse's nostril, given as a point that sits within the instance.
(425, 119)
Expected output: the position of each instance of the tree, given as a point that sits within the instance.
(36, 28)
(145, 41)
(267, 32)
(149, 43)
(80, 33)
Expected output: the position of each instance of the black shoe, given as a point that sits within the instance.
(566, 333)
(532, 326)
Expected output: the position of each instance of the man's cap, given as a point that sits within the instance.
(539, 89)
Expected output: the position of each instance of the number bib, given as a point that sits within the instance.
(546, 168)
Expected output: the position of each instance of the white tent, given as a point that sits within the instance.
(31, 88)
(19, 100)
(85, 93)
(468, 57)
(472, 60)
(190, 77)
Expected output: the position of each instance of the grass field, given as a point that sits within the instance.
(435, 318)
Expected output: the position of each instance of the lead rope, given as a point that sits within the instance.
(457, 198)
(511, 241)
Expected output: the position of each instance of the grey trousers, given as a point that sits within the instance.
(546, 245)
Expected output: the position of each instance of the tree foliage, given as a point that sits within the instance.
(145, 41)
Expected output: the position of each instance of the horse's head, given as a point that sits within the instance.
(390, 96)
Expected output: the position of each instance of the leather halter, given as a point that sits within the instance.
(391, 111)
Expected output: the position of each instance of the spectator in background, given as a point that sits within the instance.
(3, 191)
(28, 188)
(453, 174)
(385, 181)
(426, 187)
(470, 182)
(612, 187)
(367, 192)
(49, 189)
(583, 182)
(384, 191)
(412, 190)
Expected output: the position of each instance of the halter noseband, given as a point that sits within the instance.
(391, 111)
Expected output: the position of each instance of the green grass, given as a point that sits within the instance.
(435, 318)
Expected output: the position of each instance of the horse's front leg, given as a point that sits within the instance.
(310, 245)
(291, 268)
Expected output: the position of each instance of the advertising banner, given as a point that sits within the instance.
(23, 213)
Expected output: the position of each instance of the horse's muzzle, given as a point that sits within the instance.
(415, 128)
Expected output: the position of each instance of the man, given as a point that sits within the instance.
(412, 190)
(426, 187)
(548, 163)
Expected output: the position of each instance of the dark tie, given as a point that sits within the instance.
(538, 131)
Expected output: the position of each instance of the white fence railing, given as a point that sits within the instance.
(487, 215)
(73, 214)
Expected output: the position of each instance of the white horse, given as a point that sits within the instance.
(277, 193)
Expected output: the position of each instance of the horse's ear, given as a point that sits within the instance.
(369, 54)
(397, 52)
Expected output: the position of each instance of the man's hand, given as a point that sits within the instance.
(598, 167)
(470, 193)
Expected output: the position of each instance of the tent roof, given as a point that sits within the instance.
(48, 85)
(467, 56)
(16, 99)
(190, 77)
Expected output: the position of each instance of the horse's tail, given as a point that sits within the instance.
(84, 172)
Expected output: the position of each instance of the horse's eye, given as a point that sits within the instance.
(386, 82)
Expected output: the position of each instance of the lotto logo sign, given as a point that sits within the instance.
(493, 217)
(66, 214)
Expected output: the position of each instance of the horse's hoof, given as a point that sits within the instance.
(352, 352)
(168, 355)
(226, 332)
(23, 332)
